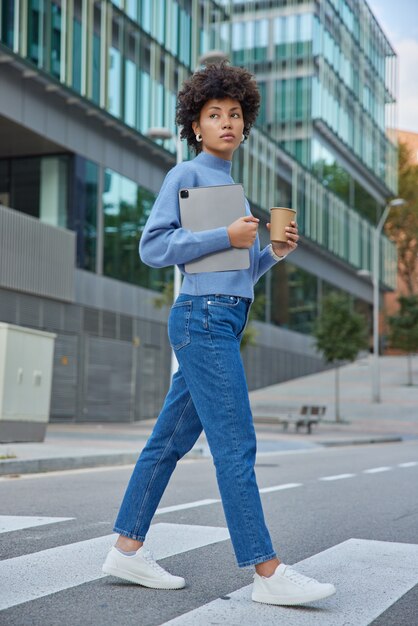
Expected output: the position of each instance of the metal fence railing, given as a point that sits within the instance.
(35, 257)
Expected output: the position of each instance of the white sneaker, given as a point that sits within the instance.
(140, 568)
(287, 587)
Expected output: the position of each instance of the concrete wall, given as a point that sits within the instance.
(111, 363)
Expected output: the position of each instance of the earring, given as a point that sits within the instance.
(243, 139)
(199, 137)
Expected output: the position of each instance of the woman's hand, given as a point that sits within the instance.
(281, 249)
(243, 231)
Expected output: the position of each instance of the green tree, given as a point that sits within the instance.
(403, 329)
(340, 334)
(402, 223)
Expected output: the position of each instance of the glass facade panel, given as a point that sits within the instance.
(5, 183)
(84, 211)
(53, 192)
(132, 8)
(115, 68)
(7, 22)
(36, 32)
(126, 207)
(44, 24)
(185, 37)
(37, 186)
(145, 103)
(76, 83)
(261, 40)
(294, 298)
(55, 39)
(338, 180)
(173, 27)
(115, 82)
(96, 61)
(146, 15)
(131, 74)
(25, 183)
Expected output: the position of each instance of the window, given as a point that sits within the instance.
(7, 12)
(84, 212)
(294, 297)
(96, 62)
(55, 39)
(77, 55)
(126, 208)
(36, 37)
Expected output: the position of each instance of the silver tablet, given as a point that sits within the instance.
(206, 208)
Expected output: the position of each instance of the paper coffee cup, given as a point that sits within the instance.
(280, 217)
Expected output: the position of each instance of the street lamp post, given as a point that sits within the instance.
(213, 56)
(376, 280)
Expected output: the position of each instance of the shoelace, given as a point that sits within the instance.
(150, 560)
(299, 579)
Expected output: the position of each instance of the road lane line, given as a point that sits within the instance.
(376, 470)
(409, 464)
(182, 507)
(280, 487)
(10, 523)
(32, 576)
(336, 477)
(379, 573)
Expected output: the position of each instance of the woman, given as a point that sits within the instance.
(216, 110)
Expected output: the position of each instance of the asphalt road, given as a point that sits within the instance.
(330, 497)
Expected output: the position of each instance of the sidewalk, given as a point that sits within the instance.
(72, 446)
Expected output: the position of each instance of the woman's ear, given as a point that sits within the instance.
(195, 126)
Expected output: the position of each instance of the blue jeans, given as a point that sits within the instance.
(208, 391)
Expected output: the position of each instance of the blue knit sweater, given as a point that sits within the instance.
(164, 242)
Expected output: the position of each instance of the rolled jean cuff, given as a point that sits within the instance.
(260, 559)
(128, 534)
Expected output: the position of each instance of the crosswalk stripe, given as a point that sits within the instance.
(36, 575)
(376, 470)
(280, 487)
(186, 505)
(9, 523)
(408, 464)
(379, 573)
(337, 477)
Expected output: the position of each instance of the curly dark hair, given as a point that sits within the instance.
(216, 81)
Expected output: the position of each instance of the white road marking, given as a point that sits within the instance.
(409, 464)
(379, 574)
(9, 523)
(376, 470)
(187, 505)
(32, 576)
(280, 487)
(337, 477)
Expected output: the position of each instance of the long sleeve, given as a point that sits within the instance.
(265, 262)
(164, 242)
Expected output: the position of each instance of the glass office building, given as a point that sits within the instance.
(327, 74)
(82, 82)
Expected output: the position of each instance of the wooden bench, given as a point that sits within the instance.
(309, 415)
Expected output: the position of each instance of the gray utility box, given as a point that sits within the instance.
(26, 359)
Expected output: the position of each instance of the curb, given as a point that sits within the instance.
(39, 466)
(358, 442)
(15, 467)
